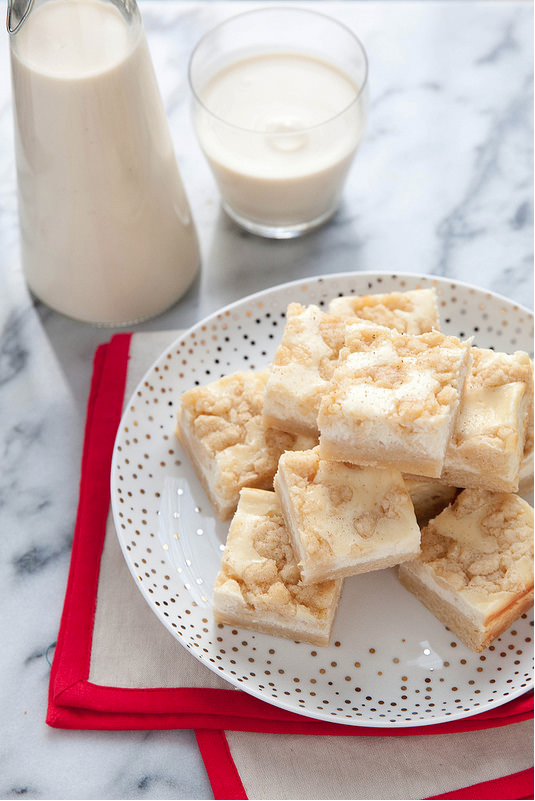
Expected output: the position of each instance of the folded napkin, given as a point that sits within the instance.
(116, 667)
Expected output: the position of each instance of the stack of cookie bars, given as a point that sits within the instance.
(372, 441)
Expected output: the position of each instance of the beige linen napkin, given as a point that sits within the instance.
(132, 649)
(130, 646)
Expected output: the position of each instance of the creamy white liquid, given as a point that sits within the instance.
(291, 128)
(106, 230)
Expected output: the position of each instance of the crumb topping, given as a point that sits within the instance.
(404, 376)
(230, 413)
(388, 507)
(380, 314)
(489, 562)
(333, 500)
(311, 338)
(273, 580)
(222, 412)
(407, 312)
(490, 369)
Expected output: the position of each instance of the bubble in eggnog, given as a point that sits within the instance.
(280, 131)
(106, 230)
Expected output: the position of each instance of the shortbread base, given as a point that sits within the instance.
(459, 617)
(229, 609)
(377, 455)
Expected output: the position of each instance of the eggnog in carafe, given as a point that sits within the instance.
(106, 230)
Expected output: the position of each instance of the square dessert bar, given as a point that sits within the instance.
(475, 569)
(393, 399)
(344, 519)
(221, 427)
(302, 367)
(259, 585)
(411, 312)
(308, 352)
(488, 440)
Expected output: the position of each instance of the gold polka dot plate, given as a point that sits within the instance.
(390, 662)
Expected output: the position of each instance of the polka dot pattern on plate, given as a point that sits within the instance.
(390, 662)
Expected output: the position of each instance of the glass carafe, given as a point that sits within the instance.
(107, 235)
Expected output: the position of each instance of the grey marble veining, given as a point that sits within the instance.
(443, 184)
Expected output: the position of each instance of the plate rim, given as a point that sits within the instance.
(317, 279)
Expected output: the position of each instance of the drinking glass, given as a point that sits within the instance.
(280, 104)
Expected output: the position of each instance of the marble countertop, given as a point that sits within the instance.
(442, 184)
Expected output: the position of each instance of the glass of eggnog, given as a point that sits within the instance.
(280, 102)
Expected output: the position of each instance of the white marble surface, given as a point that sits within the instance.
(443, 184)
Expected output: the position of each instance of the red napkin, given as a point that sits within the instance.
(76, 702)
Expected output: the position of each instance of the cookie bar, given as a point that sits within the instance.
(259, 585)
(411, 312)
(344, 519)
(302, 367)
(475, 569)
(393, 399)
(307, 355)
(487, 443)
(221, 427)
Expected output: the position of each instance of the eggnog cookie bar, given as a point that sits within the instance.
(344, 519)
(307, 355)
(487, 444)
(302, 367)
(411, 312)
(259, 585)
(393, 399)
(221, 427)
(475, 570)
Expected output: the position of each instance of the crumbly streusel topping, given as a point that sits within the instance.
(222, 411)
(230, 412)
(490, 562)
(413, 311)
(332, 496)
(490, 369)
(274, 580)
(391, 360)
(387, 507)
(311, 338)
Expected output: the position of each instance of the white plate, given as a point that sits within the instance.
(390, 662)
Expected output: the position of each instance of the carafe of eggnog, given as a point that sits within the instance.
(106, 231)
